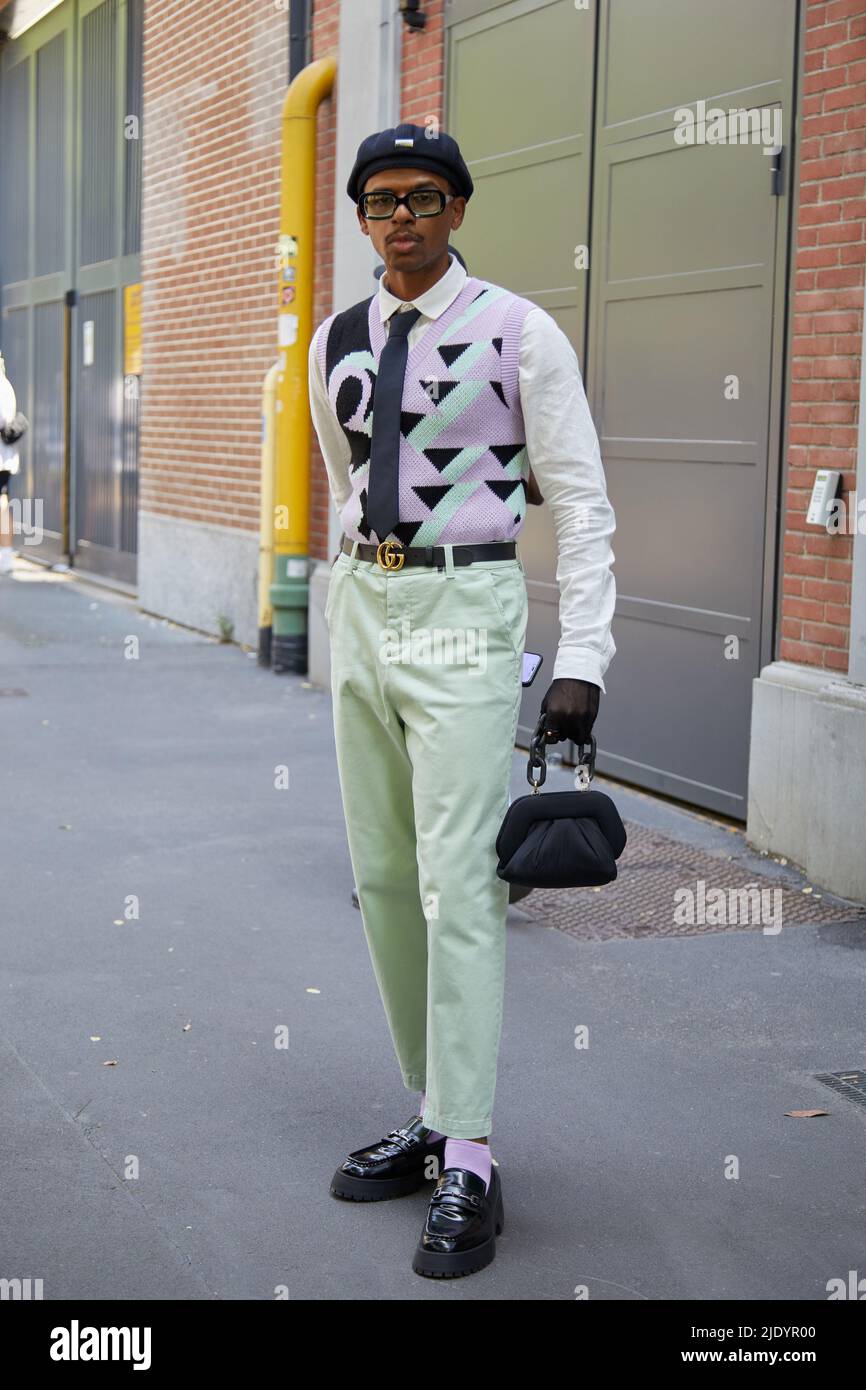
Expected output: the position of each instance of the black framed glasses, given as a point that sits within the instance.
(421, 202)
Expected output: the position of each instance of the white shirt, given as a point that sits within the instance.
(8, 411)
(563, 450)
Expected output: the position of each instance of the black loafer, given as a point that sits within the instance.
(397, 1165)
(463, 1221)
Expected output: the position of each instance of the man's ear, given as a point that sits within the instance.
(362, 222)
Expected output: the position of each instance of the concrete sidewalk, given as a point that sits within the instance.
(198, 1166)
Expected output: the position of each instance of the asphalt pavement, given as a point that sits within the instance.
(191, 1038)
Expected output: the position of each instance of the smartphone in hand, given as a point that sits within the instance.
(531, 663)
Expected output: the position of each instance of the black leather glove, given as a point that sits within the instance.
(571, 708)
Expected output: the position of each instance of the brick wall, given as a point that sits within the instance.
(420, 100)
(210, 219)
(827, 329)
(214, 80)
(422, 87)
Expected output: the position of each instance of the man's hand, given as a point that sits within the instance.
(571, 708)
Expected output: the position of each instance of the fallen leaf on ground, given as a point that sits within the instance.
(806, 1114)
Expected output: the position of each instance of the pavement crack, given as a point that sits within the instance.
(131, 1195)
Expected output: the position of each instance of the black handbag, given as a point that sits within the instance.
(560, 839)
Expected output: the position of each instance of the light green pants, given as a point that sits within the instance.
(426, 682)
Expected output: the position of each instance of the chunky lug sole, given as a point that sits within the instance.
(435, 1264)
(352, 1189)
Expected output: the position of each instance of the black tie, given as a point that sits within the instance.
(383, 484)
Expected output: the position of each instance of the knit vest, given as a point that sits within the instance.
(463, 461)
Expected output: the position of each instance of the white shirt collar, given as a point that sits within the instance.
(432, 302)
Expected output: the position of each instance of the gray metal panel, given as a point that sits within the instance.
(668, 53)
(520, 102)
(97, 444)
(98, 101)
(85, 197)
(129, 474)
(686, 291)
(15, 165)
(51, 116)
(48, 424)
(688, 284)
(133, 107)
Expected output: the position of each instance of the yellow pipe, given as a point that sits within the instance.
(266, 512)
(295, 260)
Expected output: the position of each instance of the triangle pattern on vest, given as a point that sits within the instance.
(406, 531)
(449, 352)
(408, 420)
(442, 391)
(504, 489)
(432, 496)
(440, 458)
(506, 452)
(363, 524)
(497, 386)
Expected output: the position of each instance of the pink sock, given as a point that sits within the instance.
(434, 1133)
(465, 1153)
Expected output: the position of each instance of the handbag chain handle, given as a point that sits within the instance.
(536, 768)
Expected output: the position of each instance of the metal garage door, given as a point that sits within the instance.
(520, 85)
(682, 347)
(70, 88)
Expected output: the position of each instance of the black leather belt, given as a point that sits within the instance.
(393, 555)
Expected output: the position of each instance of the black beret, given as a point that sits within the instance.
(411, 147)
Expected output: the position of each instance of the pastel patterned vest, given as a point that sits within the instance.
(463, 460)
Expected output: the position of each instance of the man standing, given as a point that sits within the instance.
(430, 399)
(12, 426)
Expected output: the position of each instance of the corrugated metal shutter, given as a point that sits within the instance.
(95, 502)
(47, 424)
(98, 134)
(129, 465)
(14, 205)
(50, 156)
(133, 107)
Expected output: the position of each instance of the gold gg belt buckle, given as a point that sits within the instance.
(389, 557)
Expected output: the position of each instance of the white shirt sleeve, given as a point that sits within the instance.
(8, 410)
(563, 449)
(8, 404)
(332, 440)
